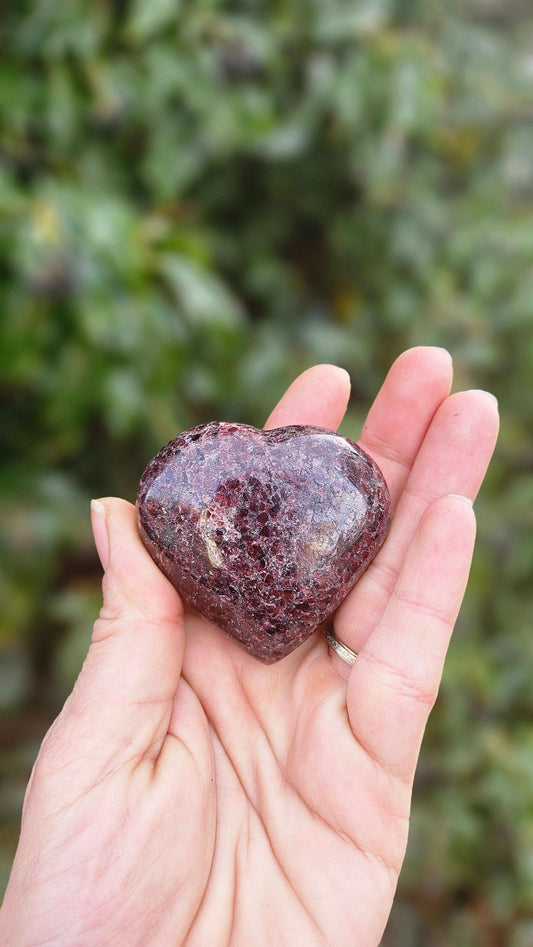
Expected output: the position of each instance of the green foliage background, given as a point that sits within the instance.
(200, 199)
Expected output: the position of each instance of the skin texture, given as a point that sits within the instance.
(188, 794)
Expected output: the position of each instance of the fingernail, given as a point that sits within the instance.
(345, 373)
(488, 394)
(460, 496)
(440, 348)
(101, 539)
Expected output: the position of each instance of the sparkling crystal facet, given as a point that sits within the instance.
(263, 532)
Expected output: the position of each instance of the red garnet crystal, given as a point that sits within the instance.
(263, 532)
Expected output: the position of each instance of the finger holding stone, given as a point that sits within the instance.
(122, 701)
(395, 680)
(452, 459)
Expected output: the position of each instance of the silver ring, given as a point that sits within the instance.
(339, 648)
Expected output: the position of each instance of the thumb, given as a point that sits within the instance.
(124, 694)
(132, 584)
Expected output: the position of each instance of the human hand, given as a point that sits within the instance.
(188, 794)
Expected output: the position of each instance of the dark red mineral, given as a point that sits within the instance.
(263, 532)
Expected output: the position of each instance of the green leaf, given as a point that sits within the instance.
(203, 297)
(147, 19)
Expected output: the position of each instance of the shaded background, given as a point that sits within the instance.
(199, 200)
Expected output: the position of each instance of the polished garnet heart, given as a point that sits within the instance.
(263, 532)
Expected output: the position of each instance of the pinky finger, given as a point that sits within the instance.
(395, 681)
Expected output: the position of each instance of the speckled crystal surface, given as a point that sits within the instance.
(263, 532)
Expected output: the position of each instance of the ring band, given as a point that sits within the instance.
(339, 648)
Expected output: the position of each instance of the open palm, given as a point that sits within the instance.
(188, 794)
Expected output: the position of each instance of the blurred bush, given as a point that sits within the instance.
(197, 202)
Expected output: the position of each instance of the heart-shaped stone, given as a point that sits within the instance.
(263, 532)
